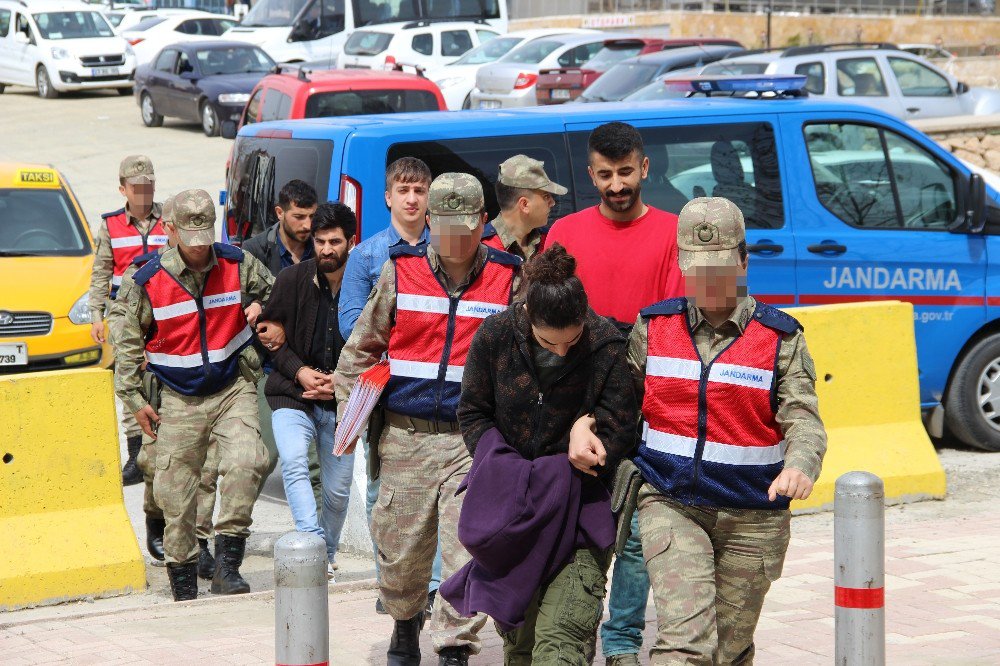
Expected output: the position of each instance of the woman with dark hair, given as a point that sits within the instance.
(552, 378)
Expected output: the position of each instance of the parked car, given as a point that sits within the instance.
(928, 51)
(46, 255)
(875, 75)
(315, 30)
(206, 82)
(629, 75)
(825, 224)
(126, 19)
(560, 85)
(457, 79)
(149, 37)
(510, 81)
(56, 46)
(420, 44)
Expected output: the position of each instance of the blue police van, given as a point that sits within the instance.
(842, 203)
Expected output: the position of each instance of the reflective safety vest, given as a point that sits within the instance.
(433, 331)
(710, 436)
(492, 239)
(195, 341)
(127, 243)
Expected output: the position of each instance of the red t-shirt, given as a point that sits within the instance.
(624, 266)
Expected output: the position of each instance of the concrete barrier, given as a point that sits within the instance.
(65, 532)
(869, 398)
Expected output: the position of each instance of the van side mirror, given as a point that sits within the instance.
(975, 206)
(961, 88)
(228, 129)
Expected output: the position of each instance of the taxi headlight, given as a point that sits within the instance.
(59, 53)
(234, 98)
(80, 312)
(450, 81)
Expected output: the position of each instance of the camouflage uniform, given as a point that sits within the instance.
(523, 172)
(421, 471)
(710, 567)
(188, 423)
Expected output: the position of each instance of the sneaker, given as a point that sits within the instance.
(380, 608)
(330, 567)
(430, 602)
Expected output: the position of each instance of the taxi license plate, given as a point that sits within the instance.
(14, 354)
(560, 93)
(103, 71)
(489, 104)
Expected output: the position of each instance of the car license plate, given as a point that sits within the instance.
(560, 93)
(14, 354)
(103, 71)
(489, 104)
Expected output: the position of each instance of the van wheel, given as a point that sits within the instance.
(467, 104)
(209, 119)
(2, 88)
(972, 408)
(150, 118)
(44, 84)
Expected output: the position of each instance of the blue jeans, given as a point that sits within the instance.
(371, 496)
(294, 431)
(622, 633)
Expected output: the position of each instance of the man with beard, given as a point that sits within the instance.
(626, 253)
(300, 389)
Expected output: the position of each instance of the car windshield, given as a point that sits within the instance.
(146, 24)
(490, 51)
(735, 68)
(234, 60)
(654, 91)
(39, 223)
(612, 55)
(73, 25)
(114, 19)
(367, 42)
(365, 102)
(620, 80)
(273, 13)
(532, 53)
(369, 12)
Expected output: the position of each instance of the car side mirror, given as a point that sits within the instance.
(228, 129)
(189, 76)
(21, 38)
(302, 31)
(973, 220)
(961, 88)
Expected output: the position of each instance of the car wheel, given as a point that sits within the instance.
(124, 92)
(972, 408)
(209, 119)
(150, 118)
(467, 104)
(44, 84)
(2, 88)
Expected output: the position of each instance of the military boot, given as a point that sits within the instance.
(625, 659)
(154, 537)
(453, 656)
(131, 474)
(206, 563)
(228, 559)
(183, 581)
(404, 647)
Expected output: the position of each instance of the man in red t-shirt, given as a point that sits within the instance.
(626, 251)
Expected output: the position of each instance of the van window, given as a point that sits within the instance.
(276, 106)
(859, 77)
(737, 161)
(423, 43)
(4, 22)
(363, 102)
(367, 43)
(481, 157)
(260, 168)
(815, 75)
(872, 178)
(455, 42)
(916, 80)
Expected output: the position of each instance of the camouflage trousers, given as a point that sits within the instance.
(188, 424)
(416, 508)
(129, 425)
(709, 569)
(206, 487)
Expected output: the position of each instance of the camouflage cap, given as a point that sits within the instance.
(136, 169)
(526, 173)
(456, 198)
(194, 217)
(709, 230)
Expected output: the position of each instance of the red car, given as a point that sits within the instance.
(556, 86)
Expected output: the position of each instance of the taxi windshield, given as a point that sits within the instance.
(40, 223)
(72, 25)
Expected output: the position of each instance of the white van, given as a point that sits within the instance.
(315, 30)
(56, 46)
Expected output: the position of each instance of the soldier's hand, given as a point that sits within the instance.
(271, 334)
(97, 332)
(253, 311)
(586, 450)
(147, 418)
(790, 483)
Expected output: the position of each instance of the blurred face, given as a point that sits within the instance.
(296, 222)
(619, 182)
(331, 249)
(536, 207)
(138, 195)
(716, 288)
(557, 340)
(455, 240)
(407, 202)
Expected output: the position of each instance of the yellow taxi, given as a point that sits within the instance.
(46, 254)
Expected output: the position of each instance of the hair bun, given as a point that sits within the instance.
(553, 266)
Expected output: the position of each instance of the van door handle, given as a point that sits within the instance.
(912, 109)
(827, 248)
(765, 248)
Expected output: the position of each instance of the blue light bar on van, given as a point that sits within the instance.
(746, 83)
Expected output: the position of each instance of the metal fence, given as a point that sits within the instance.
(536, 8)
